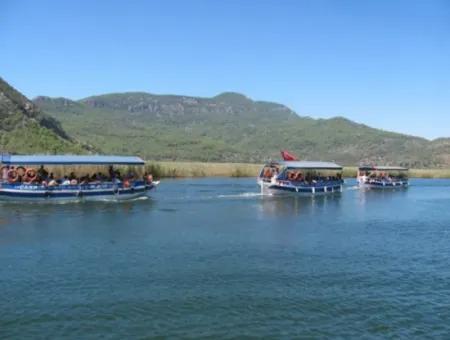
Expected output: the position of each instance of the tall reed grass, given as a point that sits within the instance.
(199, 169)
(169, 169)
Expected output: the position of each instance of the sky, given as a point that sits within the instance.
(384, 63)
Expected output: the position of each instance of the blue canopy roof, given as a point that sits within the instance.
(382, 168)
(70, 160)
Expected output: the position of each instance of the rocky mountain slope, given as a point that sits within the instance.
(24, 128)
(231, 127)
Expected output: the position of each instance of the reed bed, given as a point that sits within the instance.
(430, 173)
(413, 173)
(199, 169)
(170, 169)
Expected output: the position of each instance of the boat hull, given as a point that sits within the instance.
(73, 194)
(384, 185)
(269, 188)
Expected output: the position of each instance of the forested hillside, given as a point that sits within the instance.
(230, 127)
(24, 128)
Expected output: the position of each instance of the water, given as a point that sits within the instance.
(213, 258)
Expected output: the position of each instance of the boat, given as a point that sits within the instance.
(382, 177)
(303, 178)
(21, 179)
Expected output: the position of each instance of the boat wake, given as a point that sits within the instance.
(242, 195)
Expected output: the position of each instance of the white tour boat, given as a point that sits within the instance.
(22, 178)
(382, 177)
(301, 178)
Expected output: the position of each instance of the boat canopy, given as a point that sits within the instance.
(310, 165)
(382, 168)
(70, 160)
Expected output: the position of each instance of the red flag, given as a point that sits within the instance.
(288, 156)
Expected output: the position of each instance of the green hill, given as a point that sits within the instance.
(230, 127)
(24, 128)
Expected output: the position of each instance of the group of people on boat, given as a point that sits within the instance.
(383, 177)
(310, 178)
(41, 176)
(299, 177)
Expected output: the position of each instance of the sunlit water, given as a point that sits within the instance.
(213, 258)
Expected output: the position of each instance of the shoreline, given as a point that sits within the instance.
(180, 169)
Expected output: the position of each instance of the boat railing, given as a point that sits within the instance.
(59, 187)
(313, 184)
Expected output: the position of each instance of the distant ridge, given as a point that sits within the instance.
(231, 127)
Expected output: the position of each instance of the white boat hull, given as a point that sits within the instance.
(382, 185)
(39, 194)
(286, 188)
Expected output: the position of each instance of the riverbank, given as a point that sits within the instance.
(201, 169)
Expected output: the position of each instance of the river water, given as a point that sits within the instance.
(213, 258)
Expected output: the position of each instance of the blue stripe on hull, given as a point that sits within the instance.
(75, 194)
(386, 185)
(308, 190)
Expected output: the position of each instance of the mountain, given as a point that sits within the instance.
(25, 129)
(231, 127)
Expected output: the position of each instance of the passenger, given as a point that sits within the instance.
(112, 173)
(66, 181)
(5, 173)
(130, 175)
(102, 177)
(84, 180)
(51, 181)
(94, 179)
(148, 178)
(42, 173)
(118, 175)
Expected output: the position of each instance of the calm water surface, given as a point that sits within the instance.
(212, 258)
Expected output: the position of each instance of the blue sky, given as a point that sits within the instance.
(385, 63)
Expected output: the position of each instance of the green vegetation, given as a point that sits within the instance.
(24, 128)
(227, 128)
(231, 128)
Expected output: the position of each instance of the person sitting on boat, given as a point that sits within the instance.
(129, 175)
(66, 181)
(94, 179)
(267, 173)
(118, 178)
(148, 178)
(274, 173)
(5, 170)
(111, 172)
(42, 173)
(51, 180)
(84, 180)
(299, 177)
(101, 177)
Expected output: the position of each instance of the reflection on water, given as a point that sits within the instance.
(298, 205)
(367, 197)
